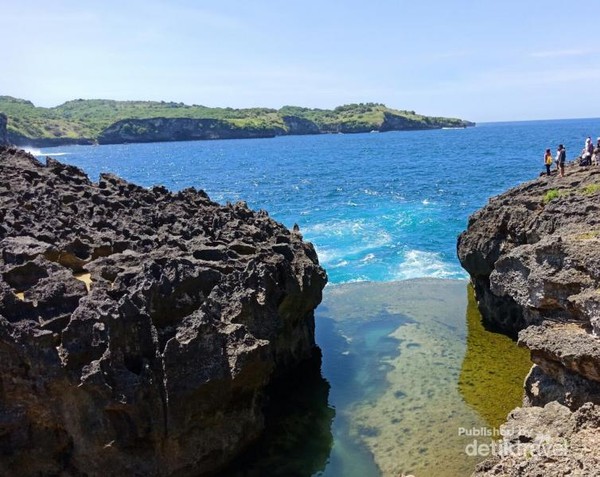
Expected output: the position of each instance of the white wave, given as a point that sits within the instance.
(38, 153)
(325, 256)
(368, 231)
(368, 257)
(418, 263)
(425, 202)
(358, 279)
(33, 151)
(339, 264)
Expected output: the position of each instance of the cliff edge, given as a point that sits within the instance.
(139, 328)
(533, 254)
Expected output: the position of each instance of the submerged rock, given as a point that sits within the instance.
(139, 328)
(533, 254)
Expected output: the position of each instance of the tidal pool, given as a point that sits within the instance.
(412, 372)
(409, 382)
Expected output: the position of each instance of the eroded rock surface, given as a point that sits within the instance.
(533, 254)
(549, 441)
(139, 327)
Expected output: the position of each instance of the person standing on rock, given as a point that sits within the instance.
(586, 153)
(561, 158)
(548, 160)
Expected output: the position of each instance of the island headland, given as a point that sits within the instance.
(533, 254)
(142, 332)
(100, 121)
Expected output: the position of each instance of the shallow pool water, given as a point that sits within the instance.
(409, 381)
(412, 372)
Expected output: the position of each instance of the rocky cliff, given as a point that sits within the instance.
(180, 129)
(25, 141)
(533, 254)
(92, 121)
(139, 328)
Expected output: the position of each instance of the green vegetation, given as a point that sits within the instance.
(550, 195)
(86, 119)
(365, 117)
(554, 194)
(591, 189)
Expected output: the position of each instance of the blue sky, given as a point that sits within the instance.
(481, 60)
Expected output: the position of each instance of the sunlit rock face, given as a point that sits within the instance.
(139, 328)
(533, 254)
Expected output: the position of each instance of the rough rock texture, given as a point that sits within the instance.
(533, 254)
(300, 126)
(532, 260)
(548, 441)
(3, 130)
(138, 327)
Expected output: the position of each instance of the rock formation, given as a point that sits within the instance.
(549, 441)
(180, 129)
(139, 328)
(533, 254)
(300, 126)
(105, 121)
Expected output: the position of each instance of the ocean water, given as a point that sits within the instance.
(378, 207)
(406, 363)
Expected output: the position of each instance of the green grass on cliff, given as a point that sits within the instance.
(365, 117)
(553, 194)
(591, 189)
(88, 118)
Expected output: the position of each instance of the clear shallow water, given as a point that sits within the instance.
(378, 207)
(408, 365)
(412, 388)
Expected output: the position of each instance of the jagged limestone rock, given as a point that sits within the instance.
(139, 328)
(533, 254)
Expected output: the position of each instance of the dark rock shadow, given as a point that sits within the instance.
(297, 440)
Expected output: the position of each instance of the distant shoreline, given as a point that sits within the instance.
(88, 122)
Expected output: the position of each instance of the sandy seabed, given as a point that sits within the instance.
(448, 380)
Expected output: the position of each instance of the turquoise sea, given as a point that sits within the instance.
(378, 207)
(404, 362)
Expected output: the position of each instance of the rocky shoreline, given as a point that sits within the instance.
(533, 254)
(120, 122)
(141, 331)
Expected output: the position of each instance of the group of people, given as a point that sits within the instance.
(590, 155)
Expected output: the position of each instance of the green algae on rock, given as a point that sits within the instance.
(492, 373)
